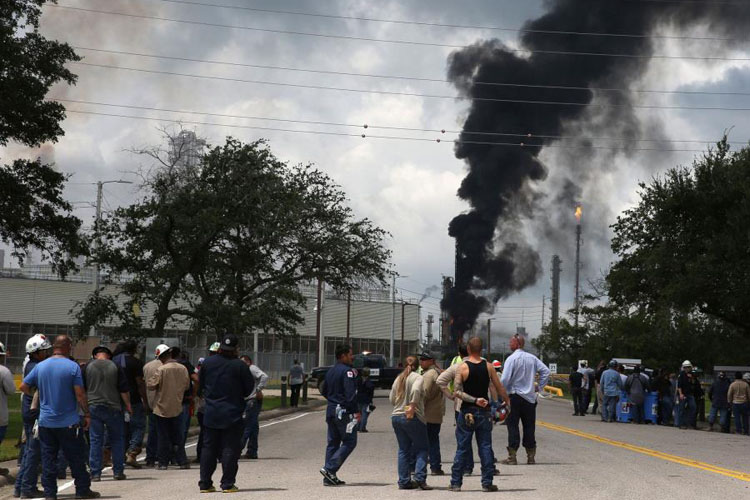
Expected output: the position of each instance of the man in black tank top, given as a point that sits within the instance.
(472, 384)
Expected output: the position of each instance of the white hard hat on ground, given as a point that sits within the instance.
(36, 343)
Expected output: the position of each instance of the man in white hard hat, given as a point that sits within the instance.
(7, 388)
(685, 396)
(149, 369)
(37, 349)
(170, 382)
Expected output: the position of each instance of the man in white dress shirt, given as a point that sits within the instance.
(519, 374)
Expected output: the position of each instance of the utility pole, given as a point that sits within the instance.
(543, 304)
(401, 347)
(319, 334)
(393, 317)
(348, 314)
(97, 221)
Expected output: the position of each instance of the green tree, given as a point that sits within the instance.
(684, 247)
(225, 242)
(32, 210)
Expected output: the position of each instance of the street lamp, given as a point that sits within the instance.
(99, 189)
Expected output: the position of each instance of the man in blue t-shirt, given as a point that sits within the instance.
(61, 391)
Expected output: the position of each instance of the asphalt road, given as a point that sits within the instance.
(578, 457)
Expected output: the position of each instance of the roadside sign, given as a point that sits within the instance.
(553, 368)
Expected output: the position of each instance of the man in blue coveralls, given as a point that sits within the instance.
(342, 414)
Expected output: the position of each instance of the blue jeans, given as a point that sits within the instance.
(482, 429)
(433, 446)
(170, 440)
(106, 418)
(152, 442)
(609, 408)
(365, 415)
(70, 441)
(136, 428)
(666, 408)
(250, 435)
(469, 458)
(340, 443)
(741, 417)
(411, 435)
(28, 473)
(685, 413)
(638, 413)
(185, 421)
(723, 416)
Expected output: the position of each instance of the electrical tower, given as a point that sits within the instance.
(555, 306)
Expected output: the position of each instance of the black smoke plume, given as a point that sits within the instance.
(493, 255)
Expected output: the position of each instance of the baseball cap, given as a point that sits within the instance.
(426, 355)
(101, 348)
(161, 349)
(214, 347)
(229, 342)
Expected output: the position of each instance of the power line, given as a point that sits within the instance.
(413, 78)
(444, 25)
(412, 94)
(367, 126)
(393, 41)
(365, 136)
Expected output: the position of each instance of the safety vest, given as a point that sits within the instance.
(455, 361)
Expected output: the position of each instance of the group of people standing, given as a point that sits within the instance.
(680, 395)
(83, 416)
(418, 397)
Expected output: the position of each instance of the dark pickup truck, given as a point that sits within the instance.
(381, 375)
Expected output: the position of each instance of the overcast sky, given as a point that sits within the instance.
(406, 187)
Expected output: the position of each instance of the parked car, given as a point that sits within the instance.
(381, 374)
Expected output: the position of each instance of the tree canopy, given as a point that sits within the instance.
(225, 242)
(686, 245)
(33, 212)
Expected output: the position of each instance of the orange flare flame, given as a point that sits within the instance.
(579, 212)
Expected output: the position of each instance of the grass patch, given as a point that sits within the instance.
(8, 450)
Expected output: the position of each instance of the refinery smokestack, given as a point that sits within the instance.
(579, 213)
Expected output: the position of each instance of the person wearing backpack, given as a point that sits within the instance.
(636, 386)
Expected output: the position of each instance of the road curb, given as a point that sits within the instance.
(266, 415)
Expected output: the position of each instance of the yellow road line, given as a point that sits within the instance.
(742, 476)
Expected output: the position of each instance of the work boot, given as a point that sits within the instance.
(511, 460)
(131, 459)
(530, 455)
(106, 458)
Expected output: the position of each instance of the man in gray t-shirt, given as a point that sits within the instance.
(107, 391)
